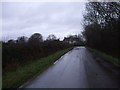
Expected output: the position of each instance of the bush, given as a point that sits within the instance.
(17, 54)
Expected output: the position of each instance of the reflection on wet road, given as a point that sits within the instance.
(76, 69)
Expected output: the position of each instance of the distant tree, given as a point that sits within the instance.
(81, 37)
(51, 37)
(22, 39)
(35, 38)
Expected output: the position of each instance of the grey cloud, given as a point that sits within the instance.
(46, 18)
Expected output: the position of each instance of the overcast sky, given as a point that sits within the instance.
(24, 19)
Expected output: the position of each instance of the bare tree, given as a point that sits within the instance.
(51, 37)
(22, 39)
(101, 25)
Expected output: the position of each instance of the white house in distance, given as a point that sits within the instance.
(71, 40)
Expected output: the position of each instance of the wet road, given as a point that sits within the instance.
(79, 68)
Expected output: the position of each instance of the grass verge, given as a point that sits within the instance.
(13, 79)
(106, 56)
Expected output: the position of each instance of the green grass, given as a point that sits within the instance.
(106, 56)
(13, 79)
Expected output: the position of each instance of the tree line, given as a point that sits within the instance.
(25, 50)
(102, 26)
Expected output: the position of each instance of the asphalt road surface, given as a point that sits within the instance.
(79, 68)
